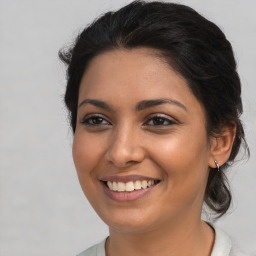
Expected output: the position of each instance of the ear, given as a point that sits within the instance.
(221, 145)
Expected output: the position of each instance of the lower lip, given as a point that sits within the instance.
(127, 196)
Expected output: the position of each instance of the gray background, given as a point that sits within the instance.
(42, 208)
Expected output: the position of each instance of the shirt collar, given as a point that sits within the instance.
(222, 243)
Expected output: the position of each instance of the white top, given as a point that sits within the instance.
(222, 246)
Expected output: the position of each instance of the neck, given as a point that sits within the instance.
(181, 238)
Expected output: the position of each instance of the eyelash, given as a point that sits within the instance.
(158, 118)
(88, 121)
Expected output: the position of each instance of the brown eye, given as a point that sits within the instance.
(95, 121)
(159, 121)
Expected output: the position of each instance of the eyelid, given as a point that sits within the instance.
(160, 115)
(94, 115)
(171, 120)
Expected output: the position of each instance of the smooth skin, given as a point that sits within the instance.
(165, 141)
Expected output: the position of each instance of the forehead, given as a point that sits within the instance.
(133, 75)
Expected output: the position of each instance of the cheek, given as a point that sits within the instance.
(86, 155)
(182, 158)
(184, 167)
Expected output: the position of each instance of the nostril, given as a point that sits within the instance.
(125, 148)
(125, 157)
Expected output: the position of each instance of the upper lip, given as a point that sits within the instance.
(126, 178)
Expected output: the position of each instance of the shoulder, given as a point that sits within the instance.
(223, 245)
(95, 250)
(237, 252)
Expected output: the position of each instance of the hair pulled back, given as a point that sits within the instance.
(193, 46)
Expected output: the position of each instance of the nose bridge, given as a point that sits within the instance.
(125, 145)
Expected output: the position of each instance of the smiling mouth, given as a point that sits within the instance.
(130, 186)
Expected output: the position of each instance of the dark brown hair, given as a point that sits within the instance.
(195, 47)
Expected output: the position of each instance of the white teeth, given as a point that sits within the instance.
(110, 185)
(114, 186)
(129, 186)
(150, 183)
(144, 184)
(137, 184)
(120, 187)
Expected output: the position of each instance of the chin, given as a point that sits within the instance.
(128, 221)
(130, 227)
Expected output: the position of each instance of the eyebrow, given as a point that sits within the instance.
(96, 103)
(155, 102)
(139, 106)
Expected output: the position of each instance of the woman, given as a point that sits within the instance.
(154, 101)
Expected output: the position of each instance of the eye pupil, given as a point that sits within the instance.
(158, 121)
(97, 120)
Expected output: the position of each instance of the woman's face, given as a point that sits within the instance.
(140, 146)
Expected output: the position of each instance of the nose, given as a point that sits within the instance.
(125, 148)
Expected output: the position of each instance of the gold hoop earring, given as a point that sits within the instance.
(217, 165)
